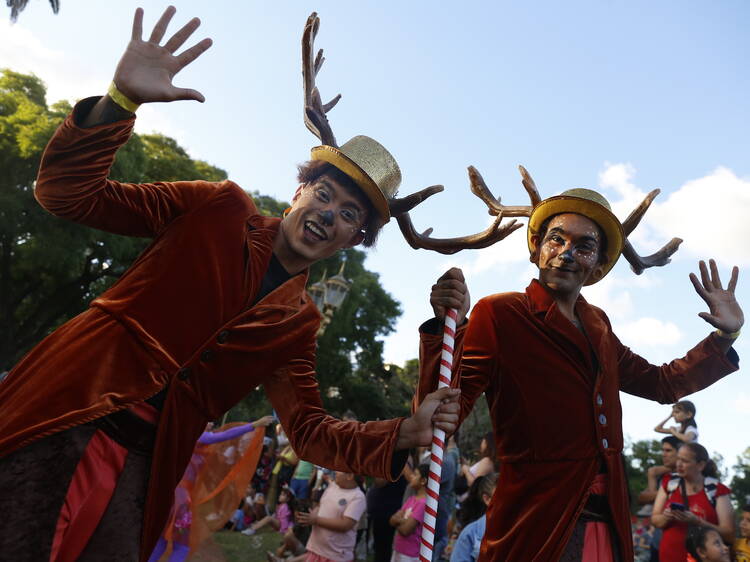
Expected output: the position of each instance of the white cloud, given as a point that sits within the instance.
(611, 296)
(66, 79)
(511, 250)
(708, 213)
(648, 332)
(22, 51)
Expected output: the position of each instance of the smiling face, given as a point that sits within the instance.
(568, 253)
(714, 549)
(325, 217)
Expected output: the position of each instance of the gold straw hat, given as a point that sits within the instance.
(591, 205)
(371, 167)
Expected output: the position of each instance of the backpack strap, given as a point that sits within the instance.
(673, 482)
(710, 487)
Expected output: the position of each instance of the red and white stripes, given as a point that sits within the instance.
(438, 443)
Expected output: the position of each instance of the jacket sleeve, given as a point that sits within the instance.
(702, 366)
(474, 357)
(72, 181)
(366, 448)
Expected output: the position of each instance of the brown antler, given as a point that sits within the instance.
(637, 262)
(314, 110)
(494, 233)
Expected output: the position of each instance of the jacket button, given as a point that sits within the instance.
(599, 400)
(223, 336)
(207, 355)
(183, 373)
(602, 419)
(605, 443)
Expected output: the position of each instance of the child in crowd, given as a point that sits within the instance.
(281, 520)
(704, 544)
(683, 413)
(408, 519)
(467, 545)
(742, 544)
(334, 522)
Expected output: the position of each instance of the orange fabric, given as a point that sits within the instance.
(89, 492)
(212, 487)
(185, 303)
(543, 390)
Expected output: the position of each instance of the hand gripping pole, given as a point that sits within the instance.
(438, 443)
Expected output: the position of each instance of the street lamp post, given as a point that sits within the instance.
(328, 295)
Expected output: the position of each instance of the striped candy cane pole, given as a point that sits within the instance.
(438, 443)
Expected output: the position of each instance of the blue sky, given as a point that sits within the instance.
(618, 96)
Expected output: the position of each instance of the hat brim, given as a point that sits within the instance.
(602, 216)
(337, 158)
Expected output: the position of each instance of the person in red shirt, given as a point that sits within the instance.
(691, 497)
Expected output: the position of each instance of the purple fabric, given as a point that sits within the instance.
(209, 438)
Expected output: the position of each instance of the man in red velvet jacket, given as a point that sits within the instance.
(552, 370)
(213, 308)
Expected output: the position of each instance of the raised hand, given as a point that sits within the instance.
(146, 69)
(264, 421)
(724, 310)
(450, 291)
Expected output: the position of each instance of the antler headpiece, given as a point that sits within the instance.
(381, 189)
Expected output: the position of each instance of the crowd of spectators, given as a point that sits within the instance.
(320, 515)
(685, 511)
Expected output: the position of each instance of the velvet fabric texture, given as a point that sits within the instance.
(182, 318)
(553, 395)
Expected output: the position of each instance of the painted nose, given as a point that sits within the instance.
(567, 256)
(326, 217)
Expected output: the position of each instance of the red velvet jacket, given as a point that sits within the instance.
(181, 317)
(556, 412)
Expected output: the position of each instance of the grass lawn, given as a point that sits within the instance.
(237, 547)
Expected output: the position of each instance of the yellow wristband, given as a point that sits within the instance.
(121, 99)
(728, 335)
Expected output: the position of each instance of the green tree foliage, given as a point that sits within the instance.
(51, 268)
(639, 457)
(741, 481)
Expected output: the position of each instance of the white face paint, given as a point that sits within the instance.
(325, 218)
(569, 253)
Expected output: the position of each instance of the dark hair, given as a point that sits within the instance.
(489, 438)
(696, 538)
(473, 506)
(424, 470)
(689, 407)
(672, 440)
(701, 455)
(746, 507)
(292, 498)
(602, 235)
(311, 170)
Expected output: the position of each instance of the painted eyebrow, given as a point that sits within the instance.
(326, 183)
(559, 230)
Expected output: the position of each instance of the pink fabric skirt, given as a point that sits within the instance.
(597, 541)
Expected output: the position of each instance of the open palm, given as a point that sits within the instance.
(724, 310)
(146, 69)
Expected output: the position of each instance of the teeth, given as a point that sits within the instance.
(316, 229)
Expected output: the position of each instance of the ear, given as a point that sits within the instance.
(297, 193)
(356, 239)
(599, 270)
